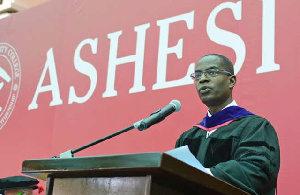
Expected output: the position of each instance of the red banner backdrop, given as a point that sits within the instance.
(75, 71)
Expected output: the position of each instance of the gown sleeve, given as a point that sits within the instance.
(255, 161)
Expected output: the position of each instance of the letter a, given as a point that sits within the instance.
(53, 87)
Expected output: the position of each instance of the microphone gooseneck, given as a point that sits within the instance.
(155, 117)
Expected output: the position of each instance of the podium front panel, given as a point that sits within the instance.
(103, 186)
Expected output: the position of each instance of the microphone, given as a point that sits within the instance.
(158, 116)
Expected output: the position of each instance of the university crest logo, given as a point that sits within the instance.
(10, 79)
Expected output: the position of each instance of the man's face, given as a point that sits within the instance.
(213, 91)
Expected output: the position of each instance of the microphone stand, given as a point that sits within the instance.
(141, 125)
(70, 153)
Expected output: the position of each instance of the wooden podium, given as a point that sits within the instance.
(127, 174)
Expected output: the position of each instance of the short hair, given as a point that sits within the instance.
(225, 62)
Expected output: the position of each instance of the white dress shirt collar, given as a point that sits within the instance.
(233, 103)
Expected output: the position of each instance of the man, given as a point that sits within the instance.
(234, 144)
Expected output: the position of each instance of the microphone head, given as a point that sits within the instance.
(176, 104)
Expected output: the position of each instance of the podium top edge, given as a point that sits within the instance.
(101, 156)
(134, 160)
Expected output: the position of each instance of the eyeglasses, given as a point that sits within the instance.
(209, 72)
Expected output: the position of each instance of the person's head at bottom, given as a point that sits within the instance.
(21, 191)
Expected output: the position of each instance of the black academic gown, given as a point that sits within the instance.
(244, 153)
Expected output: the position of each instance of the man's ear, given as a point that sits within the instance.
(232, 81)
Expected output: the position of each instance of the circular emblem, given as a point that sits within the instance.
(10, 79)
